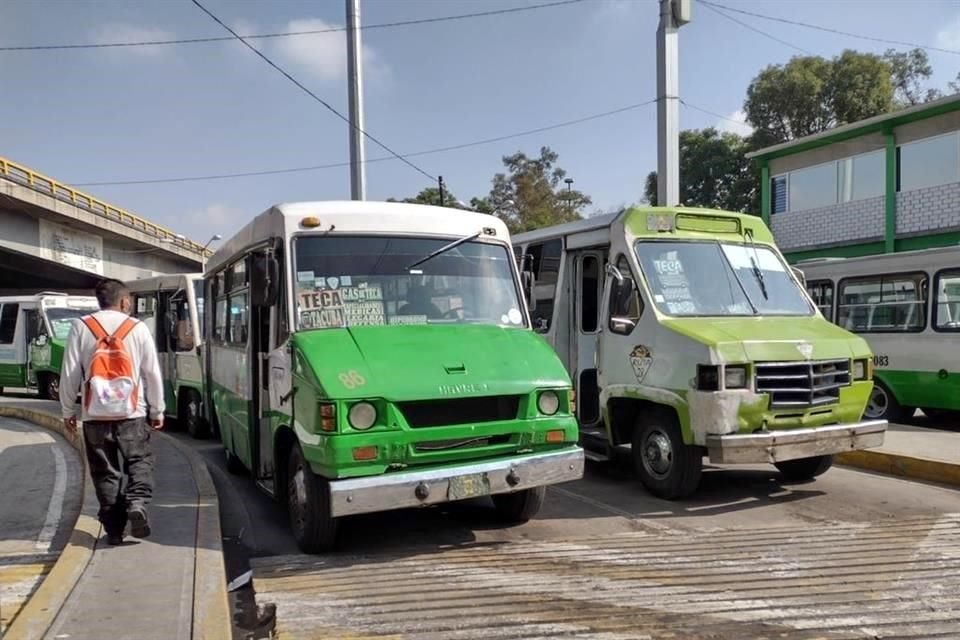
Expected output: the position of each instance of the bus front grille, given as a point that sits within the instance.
(803, 384)
(438, 413)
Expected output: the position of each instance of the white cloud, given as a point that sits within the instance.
(949, 35)
(214, 218)
(730, 123)
(122, 32)
(324, 55)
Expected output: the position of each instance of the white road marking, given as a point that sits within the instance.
(55, 507)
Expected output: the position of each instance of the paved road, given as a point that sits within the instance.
(851, 554)
(39, 502)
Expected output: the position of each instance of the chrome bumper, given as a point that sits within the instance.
(790, 444)
(420, 488)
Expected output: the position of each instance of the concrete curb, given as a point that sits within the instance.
(38, 614)
(211, 605)
(895, 464)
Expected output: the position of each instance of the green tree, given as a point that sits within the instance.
(431, 195)
(909, 70)
(714, 172)
(810, 94)
(531, 194)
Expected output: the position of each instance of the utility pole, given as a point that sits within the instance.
(673, 15)
(358, 187)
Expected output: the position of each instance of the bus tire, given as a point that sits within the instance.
(667, 467)
(520, 506)
(804, 468)
(234, 465)
(189, 415)
(50, 386)
(308, 504)
(883, 405)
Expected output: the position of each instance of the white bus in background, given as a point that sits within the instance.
(907, 306)
(171, 306)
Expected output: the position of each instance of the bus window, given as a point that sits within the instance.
(145, 310)
(947, 310)
(822, 293)
(589, 293)
(883, 304)
(546, 266)
(8, 322)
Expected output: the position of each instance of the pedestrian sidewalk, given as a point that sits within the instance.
(169, 585)
(919, 453)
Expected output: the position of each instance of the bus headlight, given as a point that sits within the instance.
(735, 377)
(548, 403)
(362, 416)
(862, 369)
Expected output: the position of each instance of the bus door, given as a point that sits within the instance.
(265, 321)
(38, 349)
(587, 287)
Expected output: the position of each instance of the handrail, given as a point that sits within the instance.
(27, 177)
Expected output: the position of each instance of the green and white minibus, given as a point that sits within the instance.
(367, 356)
(686, 335)
(33, 334)
(172, 306)
(907, 306)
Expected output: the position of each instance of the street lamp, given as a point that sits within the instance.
(203, 252)
(569, 182)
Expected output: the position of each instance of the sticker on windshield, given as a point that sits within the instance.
(640, 358)
(341, 306)
(408, 319)
(514, 316)
(305, 277)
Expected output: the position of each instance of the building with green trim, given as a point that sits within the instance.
(881, 185)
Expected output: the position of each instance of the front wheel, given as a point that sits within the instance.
(883, 405)
(188, 415)
(520, 506)
(667, 467)
(50, 387)
(308, 504)
(804, 468)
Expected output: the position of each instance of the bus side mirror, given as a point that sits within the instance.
(802, 278)
(621, 294)
(265, 281)
(41, 340)
(529, 284)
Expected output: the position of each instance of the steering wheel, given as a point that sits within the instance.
(452, 313)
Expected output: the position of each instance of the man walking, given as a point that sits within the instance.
(111, 363)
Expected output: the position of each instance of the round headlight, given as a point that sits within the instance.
(548, 403)
(363, 415)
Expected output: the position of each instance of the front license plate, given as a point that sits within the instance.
(462, 487)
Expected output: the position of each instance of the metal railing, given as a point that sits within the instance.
(43, 184)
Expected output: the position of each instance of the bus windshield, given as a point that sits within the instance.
(345, 281)
(719, 279)
(61, 319)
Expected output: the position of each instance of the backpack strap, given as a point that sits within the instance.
(95, 327)
(124, 329)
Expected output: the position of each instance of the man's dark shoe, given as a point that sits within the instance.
(139, 524)
(113, 539)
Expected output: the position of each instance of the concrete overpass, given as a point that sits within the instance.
(55, 237)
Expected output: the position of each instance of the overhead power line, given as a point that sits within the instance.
(311, 93)
(336, 165)
(714, 114)
(287, 34)
(797, 23)
(715, 9)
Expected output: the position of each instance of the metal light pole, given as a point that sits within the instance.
(203, 251)
(673, 14)
(358, 188)
(569, 182)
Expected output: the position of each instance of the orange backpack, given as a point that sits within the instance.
(111, 387)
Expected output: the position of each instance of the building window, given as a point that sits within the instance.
(883, 304)
(862, 176)
(947, 309)
(822, 293)
(813, 187)
(778, 194)
(929, 162)
(8, 322)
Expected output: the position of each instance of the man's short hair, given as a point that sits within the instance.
(110, 292)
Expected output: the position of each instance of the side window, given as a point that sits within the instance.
(947, 302)
(145, 310)
(220, 321)
(822, 293)
(895, 303)
(238, 319)
(8, 322)
(625, 307)
(546, 266)
(181, 332)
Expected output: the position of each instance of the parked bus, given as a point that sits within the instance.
(33, 334)
(907, 306)
(686, 335)
(171, 306)
(366, 356)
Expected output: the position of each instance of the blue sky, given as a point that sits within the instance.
(160, 112)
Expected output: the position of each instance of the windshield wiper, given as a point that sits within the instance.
(444, 249)
(757, 273)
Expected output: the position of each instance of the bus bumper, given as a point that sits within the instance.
(790, 444)
(426, 487)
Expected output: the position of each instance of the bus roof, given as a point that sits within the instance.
(363, 217)
(887, 262)
(700, 223)
(37, 297)
(165, 281)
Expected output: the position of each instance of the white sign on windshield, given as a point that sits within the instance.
(739, 257)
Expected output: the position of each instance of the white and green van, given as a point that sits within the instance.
(687, 335)
(366, 356)
(171, 307)
(33, 334)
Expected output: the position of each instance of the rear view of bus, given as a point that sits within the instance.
(373, 356)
